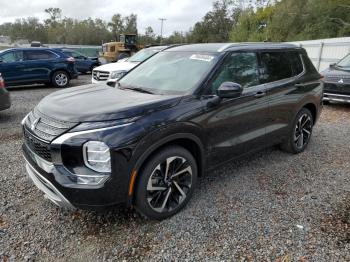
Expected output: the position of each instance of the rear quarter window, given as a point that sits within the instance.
(297, 64)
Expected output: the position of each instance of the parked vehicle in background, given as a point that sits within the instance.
(114, 51)
(110, 73)
(21, 66)
(35, 44)
(83, 63)
(5, 101)
(337, 81)
(184, 110)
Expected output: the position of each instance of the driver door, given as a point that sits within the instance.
(235, 126)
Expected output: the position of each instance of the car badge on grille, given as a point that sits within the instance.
(341, 81)
(34, 124)
(98, 75)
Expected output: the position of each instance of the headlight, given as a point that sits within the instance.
(97, 156)
(86, 126)
(117, 74)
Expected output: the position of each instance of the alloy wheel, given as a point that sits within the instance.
(169, 184)
(303, 131)
(61, 79)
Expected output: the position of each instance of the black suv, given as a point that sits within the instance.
(22, 66)
(189, 108)
(337, 81)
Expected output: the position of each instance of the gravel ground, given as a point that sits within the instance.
(271, 206)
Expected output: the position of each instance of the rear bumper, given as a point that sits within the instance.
(336, 97)
(5, 101)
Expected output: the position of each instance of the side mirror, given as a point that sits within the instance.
(229, 90)
(332, 65)
(1, 61)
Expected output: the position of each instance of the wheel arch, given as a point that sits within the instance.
(188, 141)
(313, 109)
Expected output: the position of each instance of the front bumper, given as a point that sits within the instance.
(44, 174)
(94, 81)
(51, 192)
(327, 96)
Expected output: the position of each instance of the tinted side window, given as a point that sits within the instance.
(241, 68)
(68, 53)
(39, 55)
(275, 66)
(13, 56)
(309, 66)
(297, 65)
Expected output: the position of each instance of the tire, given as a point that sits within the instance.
(300, 133)
(60, 79)
(159, 196)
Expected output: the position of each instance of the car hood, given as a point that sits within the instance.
(123, 66)
(334, 71)
(101, 103)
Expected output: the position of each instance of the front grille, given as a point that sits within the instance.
(341, 79)
(100, 75)
(39, 147)
(44, 127)
(332, 87)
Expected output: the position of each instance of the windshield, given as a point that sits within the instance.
(170, 72)
(345, 62)
(142, 55)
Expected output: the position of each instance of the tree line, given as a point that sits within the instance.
(228, 20)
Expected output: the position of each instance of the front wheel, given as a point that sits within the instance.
(60, 79)
(300, 132)
(166, 183)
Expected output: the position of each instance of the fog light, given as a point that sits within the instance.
(97, 156)
(93, 180)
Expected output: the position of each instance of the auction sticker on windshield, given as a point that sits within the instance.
(206, 58)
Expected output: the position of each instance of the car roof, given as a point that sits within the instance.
(223, 47)
(29, 48)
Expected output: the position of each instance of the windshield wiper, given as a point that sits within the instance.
(138, 89)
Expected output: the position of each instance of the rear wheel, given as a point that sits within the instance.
(60, 79)
(166, 183)
(300, 133)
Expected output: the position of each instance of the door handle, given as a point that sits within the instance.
(299, 85)
(260, 94)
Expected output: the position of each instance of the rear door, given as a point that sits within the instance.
(280, 71)
(236, 126)
(39, 64)
(12, 67)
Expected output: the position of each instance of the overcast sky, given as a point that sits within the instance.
(180, 14)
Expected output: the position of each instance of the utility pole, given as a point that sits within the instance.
(161, 28)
